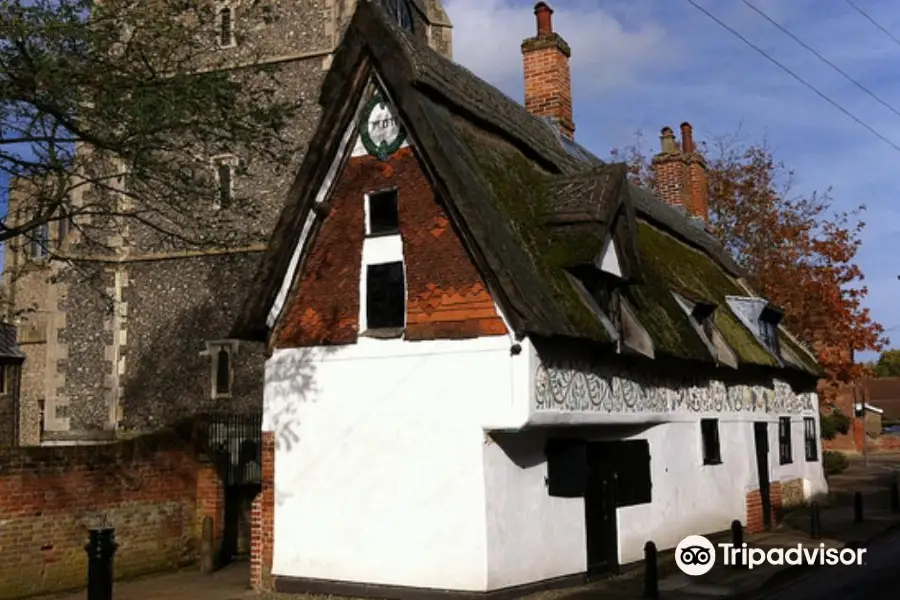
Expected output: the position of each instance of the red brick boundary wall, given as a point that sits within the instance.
(754, 520)
(855, 438)
(262, 520)
(155, 490)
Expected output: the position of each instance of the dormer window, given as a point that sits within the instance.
(226, 27)
(608, 298)
(768, 329)
(703, 314)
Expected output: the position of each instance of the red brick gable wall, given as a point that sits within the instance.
(446, 295)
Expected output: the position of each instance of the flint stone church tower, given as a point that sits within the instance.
(135, 338)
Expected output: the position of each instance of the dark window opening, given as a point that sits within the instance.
(768, 329)
(225, 173)
(63, 226)
(39, 246)
(223, 372)
(605, 288)
(633, 476)
(703, 314)
(384, 217)
(570, 463)
(226, 27)
(4, 381)
(566, 468)
(811, 439)
(709, 430)
(785, 454)
(385, 296)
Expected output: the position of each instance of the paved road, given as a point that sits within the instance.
(878, 579)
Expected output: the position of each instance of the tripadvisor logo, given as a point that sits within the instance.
(695, 555)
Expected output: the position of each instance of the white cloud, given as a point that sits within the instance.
(487, 35)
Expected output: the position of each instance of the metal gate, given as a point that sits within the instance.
(235, 441)
(235, 445)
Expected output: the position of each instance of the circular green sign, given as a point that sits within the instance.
(379, 129)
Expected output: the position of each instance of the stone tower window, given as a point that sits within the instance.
(226, 27)
(38, 248)
(223, 372)
(401, 12)
(221, 355)
(225, 167)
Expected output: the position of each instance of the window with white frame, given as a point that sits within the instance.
(225, 167)
(385, 296)
(225, 23)
(383, 285)
(382, 213)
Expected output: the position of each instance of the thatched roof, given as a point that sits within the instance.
(530, 205)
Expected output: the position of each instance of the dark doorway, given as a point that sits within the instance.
(761, 438)
(235, 442)
(600, 504)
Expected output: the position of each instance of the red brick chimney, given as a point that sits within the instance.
(548, 82)
(681, 173)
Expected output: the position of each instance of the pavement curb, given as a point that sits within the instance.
(796, 573)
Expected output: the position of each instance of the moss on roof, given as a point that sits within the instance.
(671, 265)
(803, 359)
(520, 188)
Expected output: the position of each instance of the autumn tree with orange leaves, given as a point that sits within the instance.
(796, 250)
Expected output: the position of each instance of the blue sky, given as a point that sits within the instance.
(644, 64)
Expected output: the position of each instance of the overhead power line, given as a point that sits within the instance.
(805, 83)
(874, 22)
(849, 78)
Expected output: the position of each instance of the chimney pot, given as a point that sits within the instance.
(687, 138)
(667, 141)
(544, 15)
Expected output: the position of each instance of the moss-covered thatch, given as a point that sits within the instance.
(520, 188)
(531, 206)
(670, 265)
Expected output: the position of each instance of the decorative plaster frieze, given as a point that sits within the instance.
(572, 386)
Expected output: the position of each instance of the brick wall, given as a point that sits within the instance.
(263, 519)
(154, 490)
(446, 296)
(754, 522)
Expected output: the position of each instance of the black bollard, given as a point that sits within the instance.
(895, 496)
(737, 539)
(815, 521)
(858, 507)
(100, 549)
(651, 571)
